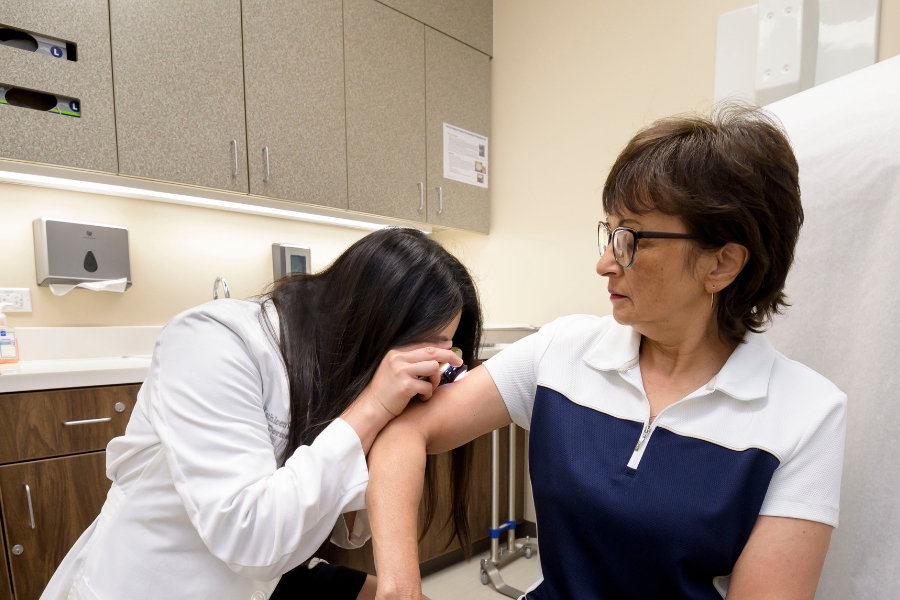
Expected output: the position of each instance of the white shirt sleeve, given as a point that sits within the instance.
(515, 372)
(807, 484)
(342, 537)
(259, 519)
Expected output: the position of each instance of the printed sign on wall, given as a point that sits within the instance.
(465, 156)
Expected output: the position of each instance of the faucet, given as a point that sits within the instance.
(216, 288)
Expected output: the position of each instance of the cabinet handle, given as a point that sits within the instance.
(30, 507)
(440, 200)
(87, 421)
(234, 151)
(266, 155)
(421, 187)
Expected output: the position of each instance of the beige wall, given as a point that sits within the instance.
(889, 42)
(572, 82)
(176, 254)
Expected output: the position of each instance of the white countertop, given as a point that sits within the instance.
(30, 375)
(70, 357)
(491, 350)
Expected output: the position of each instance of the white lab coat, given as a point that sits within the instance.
(198, 508)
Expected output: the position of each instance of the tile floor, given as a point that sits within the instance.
(462, 581)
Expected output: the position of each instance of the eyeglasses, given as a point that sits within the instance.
(624, 241)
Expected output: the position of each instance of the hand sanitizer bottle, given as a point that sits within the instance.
(9, 345)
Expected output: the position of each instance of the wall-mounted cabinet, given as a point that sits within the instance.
(385, 81)
(294, 76)
(336, 103)
(404, 81)
(469, 21)
(458, 92)
(88, 141)
(179, 84)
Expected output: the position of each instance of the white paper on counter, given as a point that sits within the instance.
(465, 156)
(110, 285)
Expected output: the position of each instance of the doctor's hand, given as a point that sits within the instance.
(408, 372)
(395, 383)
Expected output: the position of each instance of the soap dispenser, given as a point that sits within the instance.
(9, 345)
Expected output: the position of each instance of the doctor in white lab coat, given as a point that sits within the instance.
(249, 438)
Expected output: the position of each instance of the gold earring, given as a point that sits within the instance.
(712, 297)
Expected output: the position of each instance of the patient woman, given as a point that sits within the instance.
(249, 438)
(674, 453)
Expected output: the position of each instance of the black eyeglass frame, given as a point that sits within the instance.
(637, 235)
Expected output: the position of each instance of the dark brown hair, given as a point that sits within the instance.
(392, 288)
(731, 177)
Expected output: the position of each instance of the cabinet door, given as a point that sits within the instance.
(88, 142)
(60, 422)
(469, 21)
(458, 85)
(385, 81)
(66, 496)
(294, 72)
(5, 588)
(179, 88)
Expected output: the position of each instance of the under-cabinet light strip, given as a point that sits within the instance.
(75, 185)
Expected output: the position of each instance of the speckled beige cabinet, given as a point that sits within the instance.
(88, 142)
(385, 83)
(458, 92)
(179, 91)
(469, 21)
(294, 78)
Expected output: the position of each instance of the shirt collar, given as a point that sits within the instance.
(745, 375)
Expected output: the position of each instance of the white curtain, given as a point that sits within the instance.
(845, 318)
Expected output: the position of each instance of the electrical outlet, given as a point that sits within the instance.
(19, 298)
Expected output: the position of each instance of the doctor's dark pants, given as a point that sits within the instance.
(324, 581)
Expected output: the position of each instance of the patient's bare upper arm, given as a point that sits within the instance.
(458, 413)
(782, 560)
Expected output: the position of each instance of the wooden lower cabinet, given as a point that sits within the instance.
(66, 495)
(52, 441)
(63, 422)
(64, 468)
(5, 587)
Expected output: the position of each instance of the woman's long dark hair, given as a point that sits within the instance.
(392, 288)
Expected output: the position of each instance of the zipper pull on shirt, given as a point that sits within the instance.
(643, 436)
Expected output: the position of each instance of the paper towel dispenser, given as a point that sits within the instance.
(69, 252)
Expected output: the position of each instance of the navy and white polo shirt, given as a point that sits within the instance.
(631, 511)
